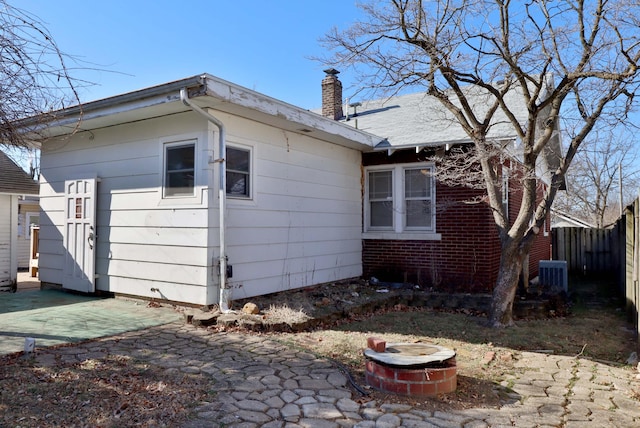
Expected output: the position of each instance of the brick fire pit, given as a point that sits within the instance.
(411, 369)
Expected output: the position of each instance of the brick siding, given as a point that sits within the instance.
(465, 259)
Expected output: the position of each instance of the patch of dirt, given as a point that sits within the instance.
(322, 303)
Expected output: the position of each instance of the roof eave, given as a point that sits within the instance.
(209, 92)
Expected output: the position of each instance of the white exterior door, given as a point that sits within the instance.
(80, 235)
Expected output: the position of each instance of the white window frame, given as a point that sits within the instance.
(506, 175)
(27, 220)
(399, 230)
(250, 150)
(167, 144)
(368, 200)
(545, 227)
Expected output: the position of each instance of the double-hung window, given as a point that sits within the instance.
(418, 204)
(179, 169)
(381, 199)
(400, 199)
(238, 172)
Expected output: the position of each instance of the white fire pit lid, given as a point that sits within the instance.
(410, 354)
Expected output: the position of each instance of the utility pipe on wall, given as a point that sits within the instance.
(222, 196)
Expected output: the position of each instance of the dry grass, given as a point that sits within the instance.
(118, 391)
(110, 392)
(484, 355)
(284, 314)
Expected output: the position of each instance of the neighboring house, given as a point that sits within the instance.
(137, 200)
(28, 218)
(415, 229)
(15, 187)
(562, 219)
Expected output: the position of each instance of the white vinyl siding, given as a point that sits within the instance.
(144, 240)
(303, 224)
(300, 225)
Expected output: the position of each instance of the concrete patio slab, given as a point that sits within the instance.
(53, 317)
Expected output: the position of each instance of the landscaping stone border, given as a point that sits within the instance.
(474, 303)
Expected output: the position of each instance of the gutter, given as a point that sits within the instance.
(70, 116)
(223, 300)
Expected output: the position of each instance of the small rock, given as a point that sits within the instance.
(488, 357)
(507, 357)
(633, 359)
(205, 318)
(323, 302)
(250, 308)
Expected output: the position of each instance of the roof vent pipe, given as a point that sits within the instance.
(223, 301)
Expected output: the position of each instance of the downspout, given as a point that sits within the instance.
(222, 196)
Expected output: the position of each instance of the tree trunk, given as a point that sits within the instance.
(504, 292)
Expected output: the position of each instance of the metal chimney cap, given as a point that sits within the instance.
(331, 71)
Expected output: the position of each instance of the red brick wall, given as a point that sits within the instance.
(541, 249)
(466, 258)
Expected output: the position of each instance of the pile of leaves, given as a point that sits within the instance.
(112, 391)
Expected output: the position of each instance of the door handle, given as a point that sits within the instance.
(90, 238)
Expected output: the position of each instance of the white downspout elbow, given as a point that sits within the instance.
(222, 196)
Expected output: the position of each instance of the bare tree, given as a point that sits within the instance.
(34, 77)
(572, 59)
(594, 181)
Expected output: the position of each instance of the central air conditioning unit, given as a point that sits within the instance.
(553, 274)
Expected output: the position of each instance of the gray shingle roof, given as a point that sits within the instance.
(420, 119)
(15, 180)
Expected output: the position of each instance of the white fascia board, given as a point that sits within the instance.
(308, 121)
(65, 121)
(116, 109)
(20, 194)
(209, 92)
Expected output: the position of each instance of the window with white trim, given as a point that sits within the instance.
(32, 220)
(381, 199)
(505, 188)
(400, 198)
(238, 172)
(179, 169)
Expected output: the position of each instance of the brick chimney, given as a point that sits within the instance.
(331, 95)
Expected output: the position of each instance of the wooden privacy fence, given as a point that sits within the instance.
(631, 261)
(614, 251)
(589, 251)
